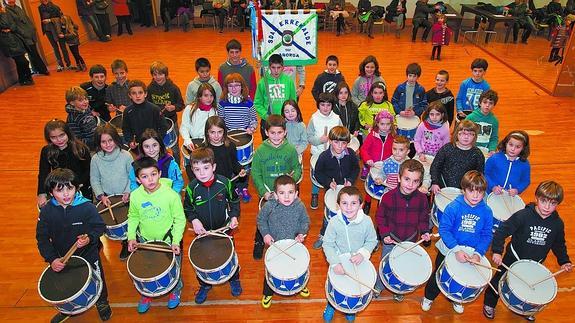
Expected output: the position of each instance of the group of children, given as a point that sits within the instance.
(152, 184)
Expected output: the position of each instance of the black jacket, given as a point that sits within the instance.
(10, 43)
(329, 167)
(24, 25)
(349, 115)
(139, 117)
(162, 94)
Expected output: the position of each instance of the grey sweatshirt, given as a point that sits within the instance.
(109, 172)
(283, 222)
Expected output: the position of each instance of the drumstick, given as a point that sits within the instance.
(514, 274)
(112, 214)
(238, 134)
(286, 248)
(444, 195)
(484, 266)
(417, 244)
(215, 234)
(403, 247)
(111, 206)
(235, 177)
(283, 251)
(482, 275)
(267, 188)
(325, 134)
(360, 282)
(70, 252)
(232, 138)
(548, 277)
(153, 247)
(505, 203)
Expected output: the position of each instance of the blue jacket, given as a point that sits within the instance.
(419, 99)
(329, 168)
(464, 225)
(174, 173)
(507, 174)
(468, 95)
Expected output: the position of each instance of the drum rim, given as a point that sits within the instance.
(337, 189)
(297, 243)
(155, 278)
(249, 143)
(433, 215)
(492, 195)
(448, 188)
(162, 291)
(407, 119)
(539, 308)
(466, 248)
(336, 306)
(389, 287)
(548, 272)
(284, 293)
(444, 292)
(222, 266)
(77, 294)
(119, 225)
(235, 266)
(420, 249)
(369, 265)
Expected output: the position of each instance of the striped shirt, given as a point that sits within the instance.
(240, 115)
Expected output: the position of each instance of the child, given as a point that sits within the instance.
(235, 106)
(283, 218)
(63, 150)
(433, 132)
(457, 158)
(442, 93)
(375, 102)
(409, 97)
(210, 204)
(71, 219)
(273, 89)
(509, 169)
(390, 167)
(368, 74)
(141, 115)
(296, 131)
(403, 213)
(350, 231)
(377, 145)
(167, 96)
(471, 88)
(274, 157)
(420, 19)
(96, 89)
(328, 79)
(203, 67)
(440, 35)
(320, 124)
(559, 37)
(80, 118)
(156, 213)
(534, 231)
(338, 165)
(467, 221)
(150, 145)
(237, 64)
(110, 170)
(70, 33)
(488, 135)
(346, 109)
(196, 113)
(117, 94)
(396, 11)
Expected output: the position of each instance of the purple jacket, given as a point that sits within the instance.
(440, 34)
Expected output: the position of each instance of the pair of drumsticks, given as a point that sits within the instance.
(284, 251)
(109, 209)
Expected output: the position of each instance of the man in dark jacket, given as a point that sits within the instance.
(13, 46)
(422, 9)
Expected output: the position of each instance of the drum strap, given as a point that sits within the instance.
(516, 255)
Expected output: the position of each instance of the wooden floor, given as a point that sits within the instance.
(521, 106)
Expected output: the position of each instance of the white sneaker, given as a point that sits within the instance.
(458, 308)
(426, 304)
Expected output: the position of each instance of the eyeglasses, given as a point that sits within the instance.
(466, 133)
(234, 85)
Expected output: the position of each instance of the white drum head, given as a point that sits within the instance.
(407, 123)
(281, 265)
(448, 195)
(411, 268)
(375, 172)
(427, 163)
(532, 272)
(503, 205)
(466, 273)
(353, 143)
(330, 198)
(313, 160)
(364, 272)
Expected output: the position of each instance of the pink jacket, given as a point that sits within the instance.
(120, 8)
(440, 34)
(428, 140)
(374, 149)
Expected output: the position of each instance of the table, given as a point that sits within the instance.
(492, 19)
(454, 20)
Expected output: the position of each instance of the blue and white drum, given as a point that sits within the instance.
(503, 206)
(344, 293)
(244, 145)
(284, 274)
(426, 181)
(74, 289)
(485, 152)
(171, 137)
(330, 201)
(402, 273)
(117, 123)
(374, 177)
(462, 282)
(354, 144)
(116, 226)
(154, 273)
(214, 258)
(407, 126)
(312, 163)
(523, 299)
(186, 153)
(440, 202)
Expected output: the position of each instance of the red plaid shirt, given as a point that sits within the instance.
(404, 218)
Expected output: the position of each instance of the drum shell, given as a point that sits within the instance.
(171, 137)
(222, 273)
(374, 190)
(407, 127)
(394, 282)
(288, 284)
(330, 203)
(345, 303)
(313, 161)
(117, 231)
(436, 210)
(160, 284)
(245, 152)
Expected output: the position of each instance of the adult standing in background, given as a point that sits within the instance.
(86, 11)
(122, 12)
(13, 46)
(144, 12)
(27, 32)
(50, 16)
(101, 12)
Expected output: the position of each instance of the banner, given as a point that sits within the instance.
(291, 34)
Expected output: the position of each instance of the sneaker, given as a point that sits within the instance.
(350, 317)
(489, 312)
(60, 68)
(398, 297)
(71, 68)
(246, 197)
(124, 252)
(144, 304)
(318, 243)
(530, 318)
(304, 292)
(458, 308)
(426, 304)
(364, 173)
(60, 317)
(104, 311)
(174, 299)
(314, 201)
(328, 313)
(236, 288)
(266, 301)
(258, 250)
(202, 294)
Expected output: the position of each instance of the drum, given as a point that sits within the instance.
(214, 258)
(354, 144)
(100, 122)
(503, 207)
(462, 282)
(485, 152)
(74, 289)
(261, 203)
(407, 126)
(300, 159)
(171, 137)
(440, 202)
(457, 119)
(330, 201)
(426, 181)
(154, 273)
(346, 294)
(285, 275)
(374, 190)
(402, 274)
(519, 297)
(117, 123)
(187, 153)
(312, 162)
(115, 229)
(244, 145)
